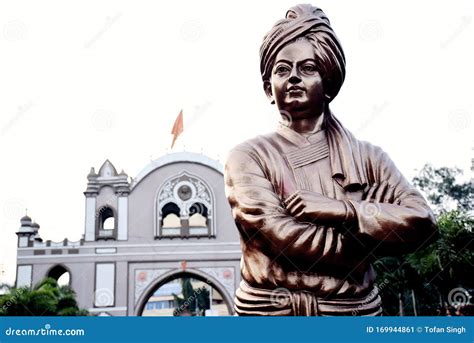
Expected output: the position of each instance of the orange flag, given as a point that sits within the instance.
(177, 127)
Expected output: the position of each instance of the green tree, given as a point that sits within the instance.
(421, 283)
(443, 189)
(448, 263)
(194, 301)
(47, 298)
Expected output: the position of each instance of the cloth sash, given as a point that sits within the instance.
(251, 301)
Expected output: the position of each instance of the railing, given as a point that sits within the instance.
(106, 233)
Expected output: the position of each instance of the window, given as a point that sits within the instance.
(184, 208)
(171, 222)
(60, 274)
(106, 224)
(104, 294)
(109, 223)
(198, 220)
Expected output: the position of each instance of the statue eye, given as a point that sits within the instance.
(282, 69)
(308, 68)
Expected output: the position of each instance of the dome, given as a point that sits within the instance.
(25, 221)
(176, 158)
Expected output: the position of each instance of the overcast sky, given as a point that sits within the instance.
(84, 81)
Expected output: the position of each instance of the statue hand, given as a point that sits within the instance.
(311, 206)
(381, 193)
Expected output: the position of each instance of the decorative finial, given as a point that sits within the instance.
(107, 169)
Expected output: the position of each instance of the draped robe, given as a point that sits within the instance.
(322, 270)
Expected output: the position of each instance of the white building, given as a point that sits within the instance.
(171, 220)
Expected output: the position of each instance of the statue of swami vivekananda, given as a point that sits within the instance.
(313, 204)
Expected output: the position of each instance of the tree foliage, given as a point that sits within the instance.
(46, 298)
(443, 190)
(425, 281)
(193, 301)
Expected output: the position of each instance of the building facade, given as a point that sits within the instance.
(172, 220)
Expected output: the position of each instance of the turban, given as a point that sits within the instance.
(311, 23)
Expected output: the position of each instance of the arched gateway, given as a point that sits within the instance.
(188, 273)
(170, 221)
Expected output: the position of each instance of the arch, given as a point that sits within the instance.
(178, 157)
(106, 213)
(178, 273)
(202, 200)
(57, 271)
(198, 208)
(199, 219)
(170, 221)
(170, 207)
(167, 190)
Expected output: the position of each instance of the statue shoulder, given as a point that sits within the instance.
(377, 158)
(252, 145)
(252, 149)
(370, 150)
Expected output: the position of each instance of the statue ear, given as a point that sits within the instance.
(267, 87)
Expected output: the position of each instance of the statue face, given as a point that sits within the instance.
(296, 85)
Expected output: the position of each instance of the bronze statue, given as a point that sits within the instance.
(313, 204)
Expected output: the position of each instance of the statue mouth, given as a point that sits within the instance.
(295, 90)
(297, 93)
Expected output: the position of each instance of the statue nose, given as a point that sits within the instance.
(295, 79)
(294, 76)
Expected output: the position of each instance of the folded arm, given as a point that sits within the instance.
(392, 211)
(395, 216)
(260, 215)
